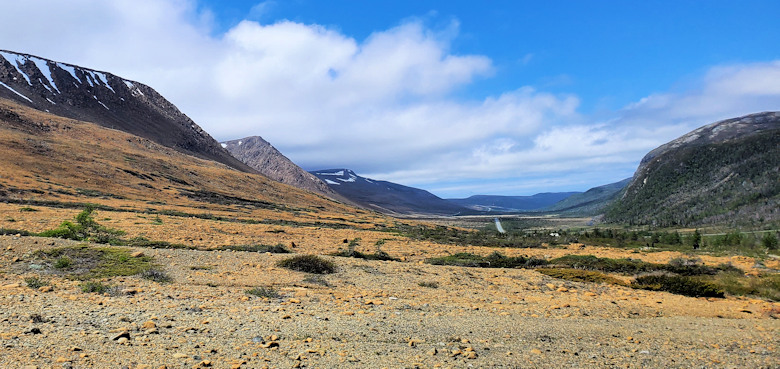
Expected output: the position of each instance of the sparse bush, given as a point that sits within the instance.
(429, 284)
(267, 292)
(85, 229)
(678, 284)
(579, 275)
(156, 275)
(494, 260)
(308, 264)
(95, 287)
(27, 209)
(35, 282)
(621, 266)
(316, 279)
(275, 249)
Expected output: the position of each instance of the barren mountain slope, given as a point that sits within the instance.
(103, 98)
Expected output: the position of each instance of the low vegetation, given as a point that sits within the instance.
(85, 263)
(494, 260)
(265, 292)
(579, 275)
(308, 264)
(84, 229)
(678, 284)
(350, 252)
(36, 282)
(275, 249)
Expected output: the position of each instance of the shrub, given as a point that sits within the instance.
(275, 249)
(63, 263)
(579, 275)
(769, 241)
(622, 266)
(156, 275)
(308, 264)
(35, 282)
(85, 229)
(429, 284)
(494, 260)
(27, 209)
(95, 287)
(267, 292)
(678, 284)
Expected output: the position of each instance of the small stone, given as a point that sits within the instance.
(536, 351)
(179, 355)
(62, 360)
(149, 325)
(137, 254)
(455, 352)
(273, 337)
(46, 289)
(123, 340)
(270, 344)
(295, 301)
(562, 289)
(122, 334)
(433, 352)
(471, 355)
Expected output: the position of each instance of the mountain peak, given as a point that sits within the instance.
(100, 97)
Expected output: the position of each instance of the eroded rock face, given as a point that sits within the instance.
(84, 94)
(263, 157)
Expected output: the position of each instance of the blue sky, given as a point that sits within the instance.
(456, 97)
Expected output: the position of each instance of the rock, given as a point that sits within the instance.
(536, 351)
(123, 340)
(271, 344)
(46, 289)
(62, 360)
(471, 355)
(122, 334)
(179, 355)
(137, 254)
(149, 325)
(433, 352)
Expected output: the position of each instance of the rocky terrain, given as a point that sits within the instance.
(367, 314)
(263, 157)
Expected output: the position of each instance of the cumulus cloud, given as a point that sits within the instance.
(385, 105)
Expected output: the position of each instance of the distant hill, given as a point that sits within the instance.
(512, 203)
(263, 157)
(113, 102)
(727, 172)
(386, 197)
(589, 203)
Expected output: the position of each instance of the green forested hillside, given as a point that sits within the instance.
(733, 182)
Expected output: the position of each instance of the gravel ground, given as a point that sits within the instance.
(369, 314)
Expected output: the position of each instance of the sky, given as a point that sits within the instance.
(456, 97)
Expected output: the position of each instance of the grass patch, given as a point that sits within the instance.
(428, 284)
(678, 284)
(87, 262)
(266, 292)
(763, 286)
(579, 275)
(308, 264)
(27, 209)
(494, 260)
(201, 267)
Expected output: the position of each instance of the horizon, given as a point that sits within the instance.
(456, 98)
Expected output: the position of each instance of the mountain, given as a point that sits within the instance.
(727, 173)
(589, 203)
(263, 157)
(512, 203)
(84, 94)
(386, 197)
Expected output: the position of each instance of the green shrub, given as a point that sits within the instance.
(494, 260)
(27, 209)
(608, 265)
(308, 264)
(678, 284)
(63, 263)
(85, 229)
(267, 292)
(579, 275)
(35, 282)
(95, 287)
(769, 241)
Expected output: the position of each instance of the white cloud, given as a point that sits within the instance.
(383, 106)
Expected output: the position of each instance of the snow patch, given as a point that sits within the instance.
(104, 105)
(14, 91)
(350, 179)
(339, 173)
(104, 79)
(70, 70)
(53, 103)
(223, 145)
(129, 84)
(240, 142)
(16, 61)
(89, 80)
(45, 85)
(46, 71)
(328, 181)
